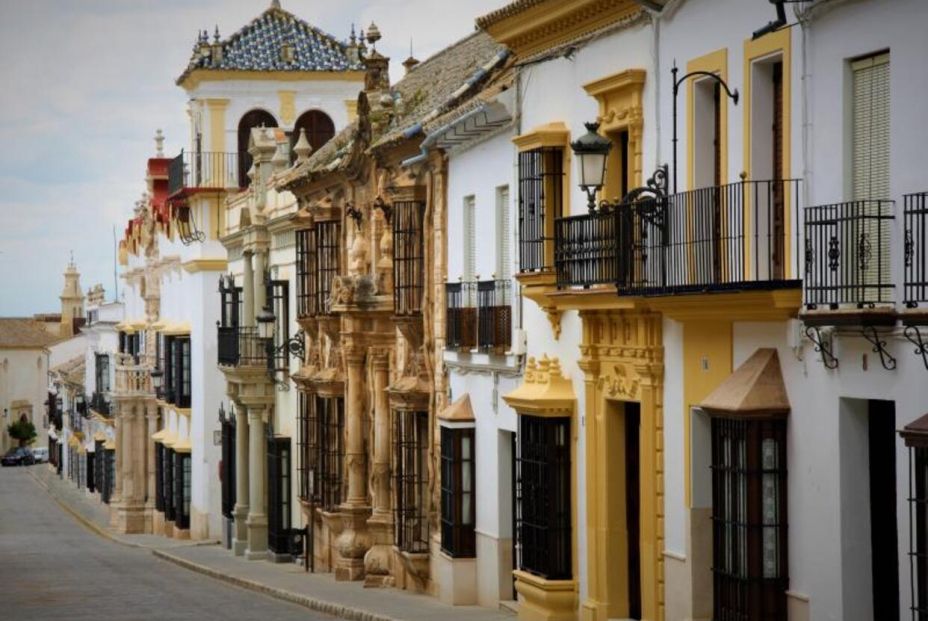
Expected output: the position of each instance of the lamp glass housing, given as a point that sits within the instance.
(265, 321)
(157, 376)
(591, 150)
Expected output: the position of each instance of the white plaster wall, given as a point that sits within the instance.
(676, 513)
(23, 375)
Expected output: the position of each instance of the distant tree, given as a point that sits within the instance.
(23, 431)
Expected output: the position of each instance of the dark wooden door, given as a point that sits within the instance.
(883, 532)
(777, 207)
(633, 506)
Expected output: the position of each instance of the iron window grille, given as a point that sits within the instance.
(494, 315)
(915, 249)
(100, 467)
(91, 473)
(461, 321)
(408, 219)
(278, 298)
(278, 498)
(305, 460)
(227, 470)
(317, 251)
(159, 477)
(541, 179)
(110, 481)
(102, 369)
(915, 440)
(411, 450)
(847, 254)
(750, 570)
(181, 490)
(542, 509)
(167, 483)
(458, 477)
(180, 353)
(167, 364)
(330, 417)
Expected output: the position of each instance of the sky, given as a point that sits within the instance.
(84, 84)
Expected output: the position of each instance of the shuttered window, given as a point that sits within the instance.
(870, 167)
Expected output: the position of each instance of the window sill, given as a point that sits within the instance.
(477, 362)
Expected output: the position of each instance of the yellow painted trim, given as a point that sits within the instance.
(713, 62)
(182, 446)
(99, 437)
(183, 411)
(205, 265)
(73, 442)
(109, 445)
(287, 112)
(158, 436)
(768, 45)
(548, 24)
(217, 124)
(549, 135)
(777, 305)
(197, 76)
(351, 107)
(177, 329)
(169, 439)
(544, 390)
(621, 108)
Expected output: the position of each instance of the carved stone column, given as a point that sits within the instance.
(260, 291)
(240, 511)
(256, 522)
(248, 290)
(355, 539)
(378, 560)
(116, 497)
(151, 416)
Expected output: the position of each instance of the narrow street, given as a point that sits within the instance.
(52, 567)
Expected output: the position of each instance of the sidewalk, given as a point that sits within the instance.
(285, 581)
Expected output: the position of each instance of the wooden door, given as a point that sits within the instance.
(633, 506)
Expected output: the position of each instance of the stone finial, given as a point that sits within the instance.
(216, 34)
(302, 147)
(373, 35)
(275, 4)
(412, 61)
(159, 143)
(281, 159)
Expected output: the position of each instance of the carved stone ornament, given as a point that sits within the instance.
(618, 383)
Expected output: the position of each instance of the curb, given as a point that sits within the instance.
(338, 610)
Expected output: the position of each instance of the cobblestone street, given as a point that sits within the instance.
(51, 567)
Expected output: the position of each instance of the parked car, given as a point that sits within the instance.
(40, 454)
(19, 456)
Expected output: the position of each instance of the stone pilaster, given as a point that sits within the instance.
(378, 560)
(151, 416)
(256, 522)
(248, 290)
(355, 540)
(116, 497)
(240, 511)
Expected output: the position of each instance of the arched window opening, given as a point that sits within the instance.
(319, 130)
(252, 119)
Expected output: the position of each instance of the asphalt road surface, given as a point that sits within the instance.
(52, 567)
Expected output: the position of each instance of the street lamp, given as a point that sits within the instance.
(591, 150)
(265, 323)
(157, 377)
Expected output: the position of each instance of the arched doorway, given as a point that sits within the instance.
(319, 130)
(251, 119)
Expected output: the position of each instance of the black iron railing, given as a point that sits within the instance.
(915, 249)
(848, 254)
(208, 170)
(494, 315)
(461, 324)
(100, 404)
(719, 238)
(240, 346)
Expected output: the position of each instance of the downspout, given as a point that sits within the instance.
(804, 17)
(656, 54)
(517, 124)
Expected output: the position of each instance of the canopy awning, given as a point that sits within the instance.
(158, 436)
(177, 328)
(457, 414)
(109, 445)
(182, 446)
(915, 434)
(754, 390)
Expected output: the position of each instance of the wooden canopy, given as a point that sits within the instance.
(915, 434)
(754, 390)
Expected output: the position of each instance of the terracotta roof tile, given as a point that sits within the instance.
(25, 333)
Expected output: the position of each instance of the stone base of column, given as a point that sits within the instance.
(353, 543)
(149, 516)
(130, 518)
(378, 561)
(256, 525)
(239, 530)
(157, 522)
(115, 506)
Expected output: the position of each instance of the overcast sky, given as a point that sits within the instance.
(84, 84)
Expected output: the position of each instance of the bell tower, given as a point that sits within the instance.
(72, 299)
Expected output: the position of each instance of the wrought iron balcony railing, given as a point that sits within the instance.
(204, 170)
(720, 238)
(915, 248)
(848, 255)
(100, 404)
(241, 346)
(479, 315)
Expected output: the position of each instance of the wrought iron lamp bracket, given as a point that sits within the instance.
(915, 336)
(385, 208)
(355, 214)
(879, 347)
(823, 346)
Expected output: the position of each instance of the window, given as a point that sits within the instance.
(278, 496)
(411, 446)
(110, 482)
(228, 464)
(541, 179)
(503, 262)
(91, 474)
(177, 372)
(918, 515)
(543, 521)
(408, 256)
(458, 475)
(470, 240)
(278, 298)
(100, 467)
(167, 365)
(305, 465)
(321, 450)
(167, 483)
(159, 477)
(494, 313)
(228, 330)
(749, 518)
(102, 366)
(181, 490)
(317, 251)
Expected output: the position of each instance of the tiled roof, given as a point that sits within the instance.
(24, 333)
(258, 47)
(513, 8)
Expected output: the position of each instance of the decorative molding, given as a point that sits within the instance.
(544, 390)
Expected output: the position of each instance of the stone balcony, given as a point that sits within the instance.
(133, 378)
